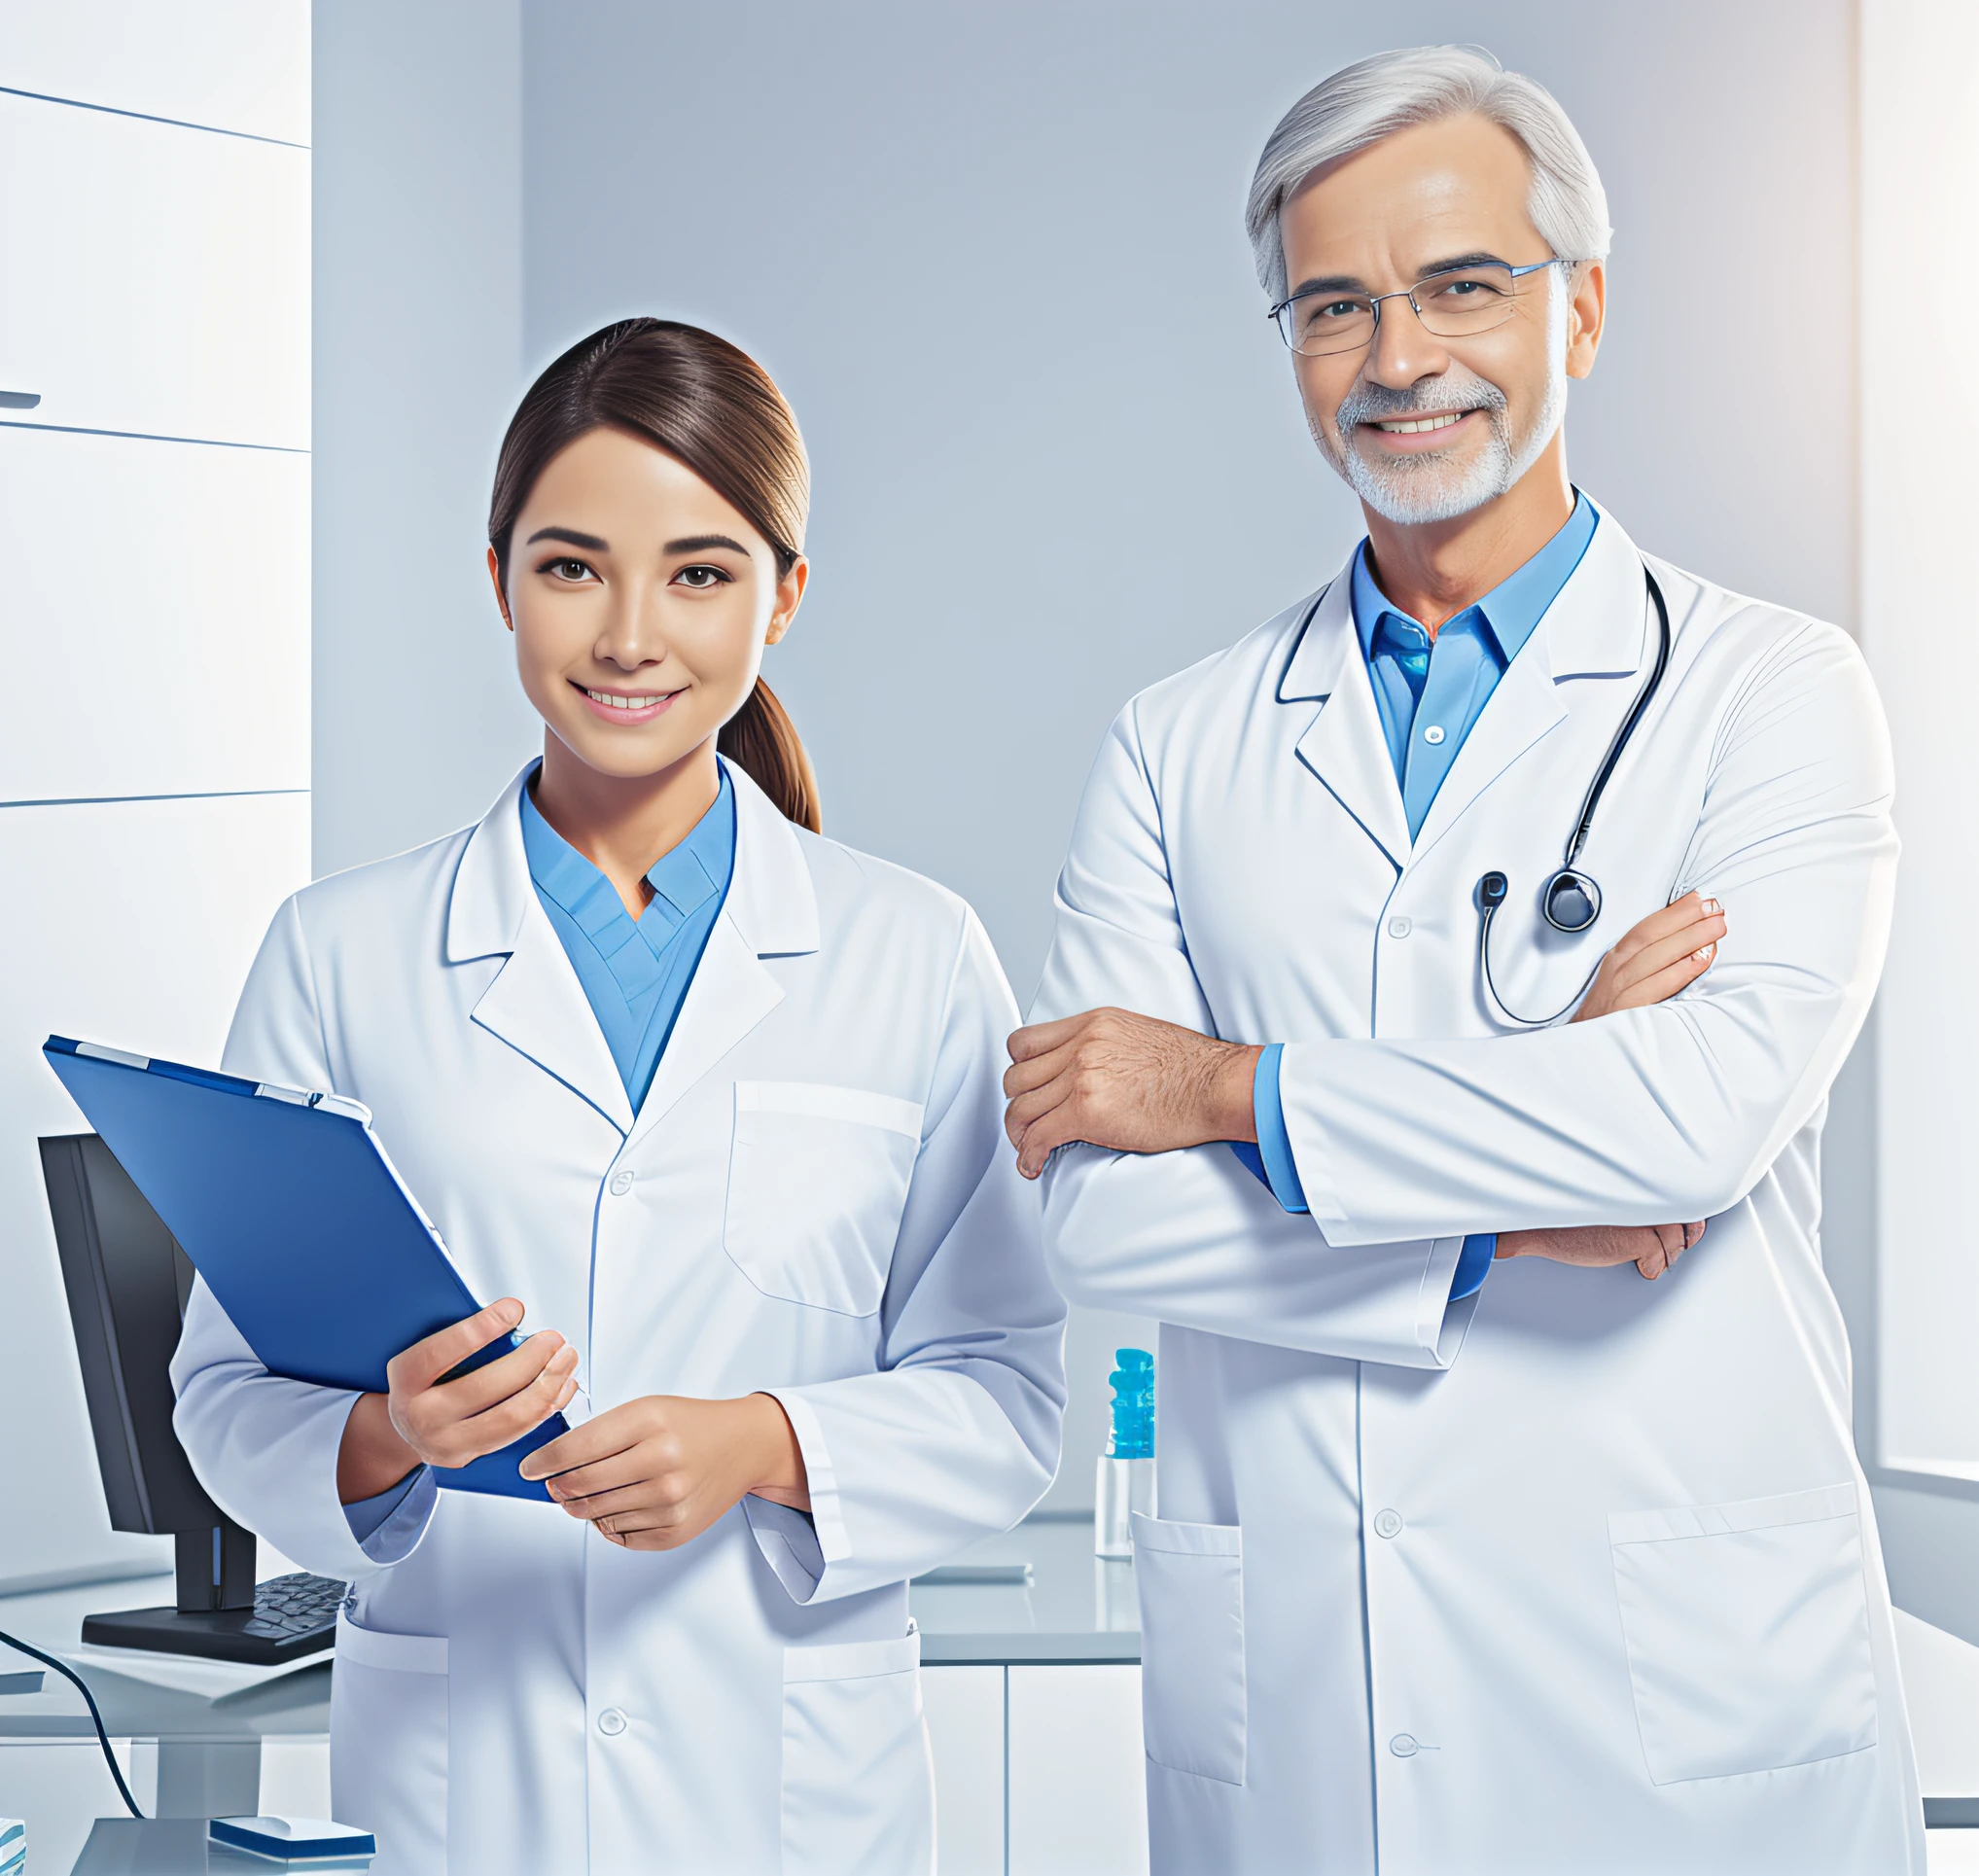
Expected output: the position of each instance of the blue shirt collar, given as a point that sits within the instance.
(683, 879)
(1511, 611)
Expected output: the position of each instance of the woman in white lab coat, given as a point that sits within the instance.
(785, 1281)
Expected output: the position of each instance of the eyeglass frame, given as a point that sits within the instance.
(1374, 300)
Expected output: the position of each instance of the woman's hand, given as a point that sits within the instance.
(1652, 961)
(447, 1423)
(654, 1473)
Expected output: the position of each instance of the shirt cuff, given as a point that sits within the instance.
(1275, 1164)
(368, 1517)
(1473, 1264)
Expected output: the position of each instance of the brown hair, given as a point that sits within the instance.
(713, 407)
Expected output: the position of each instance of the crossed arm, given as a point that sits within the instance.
(1134, 1083)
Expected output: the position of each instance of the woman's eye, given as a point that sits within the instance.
(568, 569)
(700, 578)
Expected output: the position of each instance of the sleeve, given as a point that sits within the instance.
(955, 1435)
(265, 1448)
(1673, 1111)
(1191, 1237)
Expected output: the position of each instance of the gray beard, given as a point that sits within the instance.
(1412, 492)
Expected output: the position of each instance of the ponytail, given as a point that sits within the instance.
(760, 740)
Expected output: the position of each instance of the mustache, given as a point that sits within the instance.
(1385, 403)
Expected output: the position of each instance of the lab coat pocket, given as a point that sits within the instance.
(817, 1180)
(858, 1777)
(1193, 1712)
(388, 1744)
(1748, 1633)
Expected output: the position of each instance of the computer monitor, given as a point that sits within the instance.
(127, 1285)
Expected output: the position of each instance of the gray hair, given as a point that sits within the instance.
(1361, 104)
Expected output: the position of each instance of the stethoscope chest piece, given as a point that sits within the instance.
(1571, 901)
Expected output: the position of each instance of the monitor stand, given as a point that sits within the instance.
(216, 1604)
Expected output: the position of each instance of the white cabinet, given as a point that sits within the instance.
(153, 280)
(131, 923)
(239, 65)
(964, 1709)
(155, 600)
(1078, 1777)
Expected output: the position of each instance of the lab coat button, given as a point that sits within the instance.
(1387, 1524)
(1433, 734)
(1400, 928)
(622, 1183)
(611, 1722)
(1403, 1745)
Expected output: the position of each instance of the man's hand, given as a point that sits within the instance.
(1651, 1248)
(1653, 959)
(447, 1423)
(655, 1473)
(1125, 1082)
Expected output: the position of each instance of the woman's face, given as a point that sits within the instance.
(640, 602)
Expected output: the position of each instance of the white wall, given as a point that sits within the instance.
(418, 357)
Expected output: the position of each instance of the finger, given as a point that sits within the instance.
(483, 1387)
(1659, 925)
(1700, 935)
(1045, 1137)
(1020, 1077)
(1651, 1266)
(1028, 1109)
(424, 1361)
(1661, 985)
(1040, 1038)
(1692, 1233)
(521, 1413)
(616, 1473)
(604, 1438)
(644, 1496)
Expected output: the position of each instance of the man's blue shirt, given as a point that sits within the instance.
(635, 971)
(1429, 690)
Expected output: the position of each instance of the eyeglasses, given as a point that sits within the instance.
(1453, 303)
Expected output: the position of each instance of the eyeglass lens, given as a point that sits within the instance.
(1450, 306)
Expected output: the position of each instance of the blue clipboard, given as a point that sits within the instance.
(300, 1225)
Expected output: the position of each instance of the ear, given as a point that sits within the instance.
(790, 596)
(495, 579)
(1586, 311)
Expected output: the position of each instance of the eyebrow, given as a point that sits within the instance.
(1352, 283)
(701, 543)
(571, 538)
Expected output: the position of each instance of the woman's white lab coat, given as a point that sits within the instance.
(1583, 1575)
(814, 1200)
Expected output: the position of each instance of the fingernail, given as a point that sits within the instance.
(1711, 905)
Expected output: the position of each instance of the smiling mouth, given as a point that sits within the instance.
(613, 700)
(1416, 426)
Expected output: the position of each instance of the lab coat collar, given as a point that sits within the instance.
(1344, 745)
(1594, 629)
(535, 1001)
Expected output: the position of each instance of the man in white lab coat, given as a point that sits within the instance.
(1471, 1560)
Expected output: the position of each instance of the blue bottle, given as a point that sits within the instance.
(1126, 1468)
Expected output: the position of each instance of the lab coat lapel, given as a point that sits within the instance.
(772, 911)
(535, 1003)
(1344, 746)
(1593, 628)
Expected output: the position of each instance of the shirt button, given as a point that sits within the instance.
(611, 1722)
(622, 1183)
(1403, 1745)
(1387, 1524)
(1400, 928)
(1433, 734)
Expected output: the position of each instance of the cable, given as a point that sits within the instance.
(102, 1737)
(1486, 911)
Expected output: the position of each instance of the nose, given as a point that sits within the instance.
(1403, 349)
(632, 636)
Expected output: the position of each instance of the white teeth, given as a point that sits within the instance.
(1415, 424)
(613, 702)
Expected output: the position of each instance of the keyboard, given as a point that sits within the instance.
(293, 1617)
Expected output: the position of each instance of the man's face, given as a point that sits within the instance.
(1381, 220)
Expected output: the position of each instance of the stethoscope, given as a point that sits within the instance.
(1570, 901)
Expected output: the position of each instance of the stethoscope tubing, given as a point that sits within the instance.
(1488, 905)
